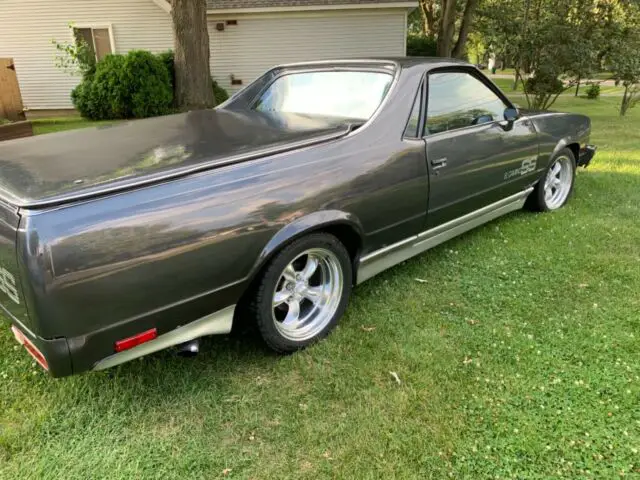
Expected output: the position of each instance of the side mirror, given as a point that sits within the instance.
(511, 114)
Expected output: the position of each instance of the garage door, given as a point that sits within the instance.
(245, 46)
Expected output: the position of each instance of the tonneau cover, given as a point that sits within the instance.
(67, 166)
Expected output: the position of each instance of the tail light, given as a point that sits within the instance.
(140, 338)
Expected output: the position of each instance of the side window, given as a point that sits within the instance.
(414, 119)
(458, 100)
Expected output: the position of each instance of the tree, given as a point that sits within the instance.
(448, 20)
(553, 44)
(621, 52)
(624, 61)
(428, 13)
(191, 55)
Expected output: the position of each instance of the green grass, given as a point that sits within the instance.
(518, 354)
(59, 124)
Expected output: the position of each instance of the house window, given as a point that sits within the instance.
(98, 39)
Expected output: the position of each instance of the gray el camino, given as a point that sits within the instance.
(119, 241)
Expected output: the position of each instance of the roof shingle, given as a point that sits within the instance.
(228, 4)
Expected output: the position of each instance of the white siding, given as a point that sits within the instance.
(260, 41)
(28, 26)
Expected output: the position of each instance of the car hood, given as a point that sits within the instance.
(61, 167)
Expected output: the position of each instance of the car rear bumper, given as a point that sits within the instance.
(586, 155)
(66, 356)
(52, 355)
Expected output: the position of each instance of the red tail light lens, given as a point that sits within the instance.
(31, 348)
(128, 343)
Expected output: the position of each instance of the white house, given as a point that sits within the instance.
(246, 36)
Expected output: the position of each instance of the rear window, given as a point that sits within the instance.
(347, 94)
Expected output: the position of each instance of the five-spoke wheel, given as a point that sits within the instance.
(558, 182)
(307, 294)
(555, 187)
(303, 292)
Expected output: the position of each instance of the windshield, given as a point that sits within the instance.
(348, 94)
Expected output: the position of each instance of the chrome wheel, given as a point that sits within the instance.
(557, 183)
(307, 294)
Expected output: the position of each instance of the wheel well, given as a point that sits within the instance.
(343, 232)
(575, 149)
(347, 235)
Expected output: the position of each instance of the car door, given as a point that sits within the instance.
(475, 156)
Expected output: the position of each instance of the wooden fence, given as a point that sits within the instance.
(10, 98)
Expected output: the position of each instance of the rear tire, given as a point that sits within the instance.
(302, 293)
(556, 184)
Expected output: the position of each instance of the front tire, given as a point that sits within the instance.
(303, 292)
(556, 185)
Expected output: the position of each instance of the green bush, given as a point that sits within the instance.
(542, 89)
(135, 85)
(149, 85)
(219, 93)
(544, 84)
(421, 46)
(593, 92)
(167, 59)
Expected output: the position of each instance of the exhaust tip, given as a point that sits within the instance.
(189, 349)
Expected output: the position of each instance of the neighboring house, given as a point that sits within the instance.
(246, 36)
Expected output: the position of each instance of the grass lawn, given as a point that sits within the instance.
(58, 124)
(518, 354)
(506, 85)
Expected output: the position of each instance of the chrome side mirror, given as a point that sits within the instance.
(511, 114)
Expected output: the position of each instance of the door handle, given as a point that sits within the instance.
(439, 163)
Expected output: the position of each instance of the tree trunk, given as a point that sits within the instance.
(445, 31)
(577, 87)
(625, 101)
(515, 80)
(465, 26)
(193, 89)
(428, 17)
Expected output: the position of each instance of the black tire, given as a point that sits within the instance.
(536, 200)
(261, 297)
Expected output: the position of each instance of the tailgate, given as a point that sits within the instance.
(11, 299)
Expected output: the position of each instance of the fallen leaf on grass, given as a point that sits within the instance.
(226, 471)
(367, 329)
(396, 377)
(583, 285)
(467, 360)
(472, 321)
(420, 280)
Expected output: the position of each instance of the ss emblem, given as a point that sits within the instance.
(8, 285)
(528, 166)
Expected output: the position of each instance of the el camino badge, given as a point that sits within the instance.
(8, 285)
(528, 166)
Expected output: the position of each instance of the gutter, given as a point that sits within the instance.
(166, 6)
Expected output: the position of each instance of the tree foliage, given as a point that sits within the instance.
(623, 57)
(556, 43)
(75, 58)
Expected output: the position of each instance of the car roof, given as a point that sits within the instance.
(398, 62)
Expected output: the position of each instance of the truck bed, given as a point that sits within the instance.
(67, 166)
